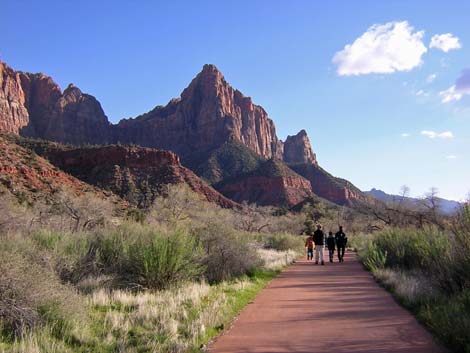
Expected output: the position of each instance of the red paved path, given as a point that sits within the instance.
(334, 308)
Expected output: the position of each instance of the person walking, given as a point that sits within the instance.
(341, 241)
(309, 245)
(319, 240)
(330, 243)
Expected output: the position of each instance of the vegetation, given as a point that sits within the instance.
(428, 270)
(78, 276)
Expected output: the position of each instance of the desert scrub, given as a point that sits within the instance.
(142, 257)
(273, 259)
(427, 271)
(179, 320)
(284, 242)
(33, 297)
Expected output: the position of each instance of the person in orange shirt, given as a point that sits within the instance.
(309, 245)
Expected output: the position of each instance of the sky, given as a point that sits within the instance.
(381, 87)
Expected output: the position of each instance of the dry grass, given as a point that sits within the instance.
(274, 259)
(410, 288)
(173, 320)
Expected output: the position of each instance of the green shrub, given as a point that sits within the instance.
(142, 257)
(284, 242)
(229, 254)
(31, 294)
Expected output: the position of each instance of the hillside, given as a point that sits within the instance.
(136, 174)
(30, 178)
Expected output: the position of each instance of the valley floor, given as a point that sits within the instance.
(332, 308)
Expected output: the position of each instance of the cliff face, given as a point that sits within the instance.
(34, 105)
(136, 174)
(297, 149)
(208, 114)
(264, 191)
(329, 187)
(272, 183)
(13, 112)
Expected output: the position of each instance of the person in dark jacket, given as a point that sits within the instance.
(319, 240)
(341, 241)
(330, 243)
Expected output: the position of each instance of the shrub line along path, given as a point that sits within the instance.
(333, 308)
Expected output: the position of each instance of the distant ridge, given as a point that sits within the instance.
(445, 206)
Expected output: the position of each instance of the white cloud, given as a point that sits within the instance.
(405, 134)
(450, 94)
(445, 42)
(442, 135)
(431, 78)
(459, 89)
(384, 48)
(451, 157)
(422, 93)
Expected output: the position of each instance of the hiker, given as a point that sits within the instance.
(341, 241)
(319, 240)
(330, 243)
(309, 245)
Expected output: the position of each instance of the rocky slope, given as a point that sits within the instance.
(30, 177)
(333, 189)
(272, 183)
(201, 126)
(136, 174)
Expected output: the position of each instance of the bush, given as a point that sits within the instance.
(141, 257)
(228, 253)
(284, 242)
(31, 294)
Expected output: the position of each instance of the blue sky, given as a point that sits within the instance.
(391, 81)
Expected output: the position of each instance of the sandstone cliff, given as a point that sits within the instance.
(333, 189)
(34, 105)
(272, 183)
(297, 149)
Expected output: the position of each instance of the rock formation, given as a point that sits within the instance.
(297, 149)
(34, 105)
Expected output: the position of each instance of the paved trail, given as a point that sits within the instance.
(333, 308)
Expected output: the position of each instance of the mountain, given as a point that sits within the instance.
(445, 206)
(217, 131)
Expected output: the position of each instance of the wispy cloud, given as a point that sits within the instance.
(383, 48)
(445, 42)
(431, 78)
(459, 89)
(405, 134)
(451, 157)
(422, 93)
(442, 135)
